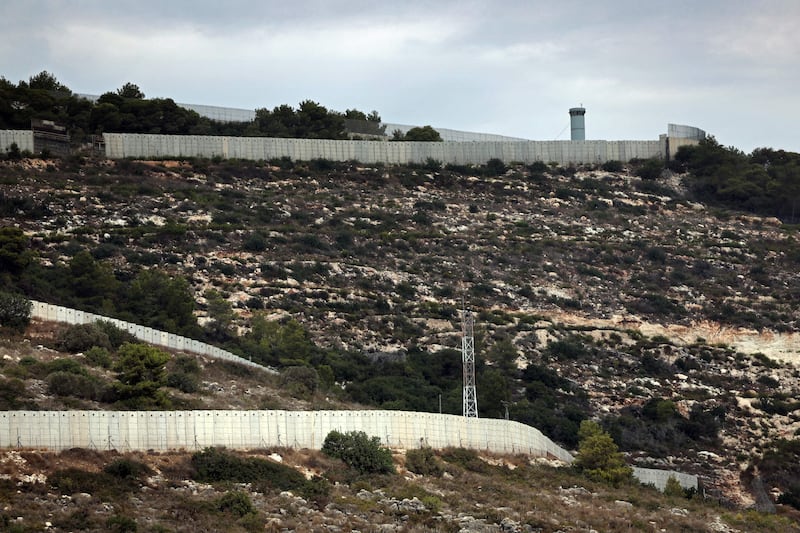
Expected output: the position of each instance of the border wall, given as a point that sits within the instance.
(658, 478)
(172, 430)
(56, 313)
(23, 138)
(121, 145)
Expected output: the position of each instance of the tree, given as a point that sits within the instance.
(14, 254)
(47, 82)
(160, 301)
(221, 314)
(141, 374)
(599, 457)
(15, 311)
(424, 133)
(130, 90)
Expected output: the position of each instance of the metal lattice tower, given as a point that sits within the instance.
(470, 408)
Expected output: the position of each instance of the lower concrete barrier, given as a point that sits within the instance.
(173, 430)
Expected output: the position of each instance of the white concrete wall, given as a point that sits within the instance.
(119, 145)
(658, 478)
(171, 430)
(23, 138)
(56, 313)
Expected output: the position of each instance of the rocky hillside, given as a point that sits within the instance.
(597, 294)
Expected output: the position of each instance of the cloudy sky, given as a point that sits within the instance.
(731, 67)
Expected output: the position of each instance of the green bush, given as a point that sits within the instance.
(423, 461)
(184, 382)
(495, 167)
(76, 385)
(236, 502)
(300, 381)
(124, 468)
(359, 451)
(13, 394)
(650, 169)
(216, 465)
(467, 459)
(673, 487)
(116, 335)
(97, 356)
(15, 311)
(81, 337)
(613, 166)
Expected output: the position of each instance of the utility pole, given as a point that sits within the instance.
(470, 406)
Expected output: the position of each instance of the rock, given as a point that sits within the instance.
(623, 504)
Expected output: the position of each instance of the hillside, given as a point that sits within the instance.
(597, 294)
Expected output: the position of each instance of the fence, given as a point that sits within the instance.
(171, 430)
(195, 430)
(120, 145)
(56, 313)
(22, 138)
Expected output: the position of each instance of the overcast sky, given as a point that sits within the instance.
(730, 67)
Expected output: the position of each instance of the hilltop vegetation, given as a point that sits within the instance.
(126, 110)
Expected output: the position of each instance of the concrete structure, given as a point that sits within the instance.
(120, 145)
(577, 125)
(23, 139)
(194, 430)
(659, 478)
(172, 430)
(56, 313)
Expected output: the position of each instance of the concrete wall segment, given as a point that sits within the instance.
(119, 145)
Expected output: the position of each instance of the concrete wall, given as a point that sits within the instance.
(23, 138)
(658, 478)
(119, 145)
(170, 430)
(194, 430)
(56, 313)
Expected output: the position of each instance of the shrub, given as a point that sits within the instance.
(651, 169)
(76, 385)
(116, 335)
(598, 456)
(81, 337)
(613, 166)
(255, 242)
(236, 502)
(301, 381)
(423, 461)
(359, 451)
(673, 487)
(467, 459)
(216, 465)
(183, 382)
(15, 311)
(125, 468)
(495, 167)
(97, 356)
(13, 394)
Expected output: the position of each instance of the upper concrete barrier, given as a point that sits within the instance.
(121, 145)
(57, 313)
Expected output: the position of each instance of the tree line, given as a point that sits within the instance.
(127, 110)
(766, 181)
